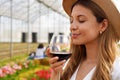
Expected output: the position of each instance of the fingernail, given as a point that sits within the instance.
(56, 57)
(64, 60)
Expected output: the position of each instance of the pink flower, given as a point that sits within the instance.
(17, 67)
(2, 74)
(8, 69)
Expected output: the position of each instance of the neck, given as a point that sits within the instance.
(92, 51)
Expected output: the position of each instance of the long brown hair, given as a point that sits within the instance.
(107, 47)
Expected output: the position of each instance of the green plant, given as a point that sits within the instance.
(23, 70)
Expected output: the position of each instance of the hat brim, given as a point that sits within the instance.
(108, 7)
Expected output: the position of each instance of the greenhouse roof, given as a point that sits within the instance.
(29, 9)
(32, 9)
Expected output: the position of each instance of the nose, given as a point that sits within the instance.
(73, 26)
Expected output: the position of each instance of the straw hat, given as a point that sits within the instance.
(108, 7)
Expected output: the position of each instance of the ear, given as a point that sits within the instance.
(103, 25)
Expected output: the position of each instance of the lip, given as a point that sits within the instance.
(74, 35)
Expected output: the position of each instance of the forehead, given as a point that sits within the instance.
(80, 10)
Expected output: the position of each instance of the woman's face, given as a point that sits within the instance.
(84, 26)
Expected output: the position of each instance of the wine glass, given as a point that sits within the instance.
(60, 47)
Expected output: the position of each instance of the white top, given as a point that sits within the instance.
(115, 73)
(39, 53)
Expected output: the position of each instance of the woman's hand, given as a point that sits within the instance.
(55, 65)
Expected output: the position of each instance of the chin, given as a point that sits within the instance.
(77, 43)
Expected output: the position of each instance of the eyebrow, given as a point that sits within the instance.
(78, 16)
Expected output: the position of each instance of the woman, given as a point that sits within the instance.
(40, 51)
(95, 33)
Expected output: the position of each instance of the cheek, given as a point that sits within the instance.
(86, 37)
(91, 35)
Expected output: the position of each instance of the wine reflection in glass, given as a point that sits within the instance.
(60, 47)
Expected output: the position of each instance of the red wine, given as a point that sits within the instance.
(61, 55)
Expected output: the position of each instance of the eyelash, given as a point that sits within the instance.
(79, 21)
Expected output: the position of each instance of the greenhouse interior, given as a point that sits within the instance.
(31, 21)
(24, 24)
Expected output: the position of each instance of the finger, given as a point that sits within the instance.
(48, 52)
(53, 60)
(57, 64)
(58, 69)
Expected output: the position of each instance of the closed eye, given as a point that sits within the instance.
(81, 21)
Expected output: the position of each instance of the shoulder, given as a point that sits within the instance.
(116, 69)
